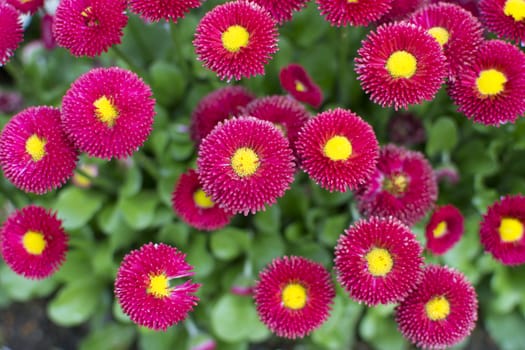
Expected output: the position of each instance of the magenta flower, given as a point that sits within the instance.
(341, 13)
(11, 32)
(46, 31)
(444, 229)
(26, 6)
(156, 10)
(282, 10)
(406, 129)
(400, 10)
(296, 81)
(506, 18)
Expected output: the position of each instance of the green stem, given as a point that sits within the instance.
(343, 88)
(120, 54)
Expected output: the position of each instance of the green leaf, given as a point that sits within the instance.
(167, 82)
(443, 136)
(381, 331)
(199, 257)
(75, 303)
(264, 248)
(111, 337)
(228, 243)
(175, 233)
(152, 340)
(139, 211)
(132, 182)
(76, 206)
(77, 264)
(506, 330)
(333, 228)
(22, 289)
(269, 220)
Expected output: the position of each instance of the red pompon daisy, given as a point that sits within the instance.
(33, 242)
(169, 10)
(196, 208)
(403, 185)
(236, 39)
(11, 32)
(89, 27)
(456, 30)
(217, 106)
(400, 64)
(491, 90)
(26, 6)
(502, 230)
(506, 18)
(444, 229)
(293, 296)
(245, 163)
(143, 287)
(400, 10)
(471, 6)
(338, 150)
(378, 261)
(441, 311)
(282, 10)
(35, 153)
(284, 112)
(296, 81)
(341, 13)
(108, 112)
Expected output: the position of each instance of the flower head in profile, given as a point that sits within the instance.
(506, 18)
(35, 153)
(378, 261)
(338, 150)
(244, 164)
(282, 10)
(342, 13)
(441, 311)
(491, 90)
(296, 81)
(403, 185)
(143, 287)
(293, 296)
(108, 112)
(217, 106)
(444, 229)
(400, 64)
(89, 27)
(11, 32)
(33, 242)
(502, 230)
(236, 39)
(194, 206)
(156, 10)
(26, 6)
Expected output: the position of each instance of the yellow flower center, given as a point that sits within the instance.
(294, 296)
(36, 147)
(440, 34)
(515, 9)
(235, 37)
(437, 308)
(34, 242)
(159, 286)
(338, 148)
(300, 86)
(379, 262)
(105, 110)
(352, 1)
(396, 184)
(202, 200)
(440, 229)
(491, 82)
(401, 64)
(245, 162)
(510, 230)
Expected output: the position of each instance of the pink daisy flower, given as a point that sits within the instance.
(406, 129)
(282, 10)
(89, 27)
(378, 261)
(441, 311)
(469, 5)
(400, 64)
(338, 150)
(491, 90)
(108, 112)
(444, 229)
(194, 206)
(244, 164)
(169, 10)
(456, 30)
(35, 153)
(342, 13)
(501, 230)
(403, 185)
(293, 296)
(296, 81)
(506, 18)
(236, 39)
(33, 242)
(143, 287)
(11, 32)
(400, 10)
(26, 6)
(217, 106)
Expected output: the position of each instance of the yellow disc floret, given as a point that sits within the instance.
(440, 34)
(106, 111)
(34, 242)
(300, 86)
(401, 64)
(379, 262)
(338, 148)
(515, 9)
(440, 230)
(245, 162)
(510, 230)
(36, 147)
(437, 308)
(202, 200)
(491, 82)
(235, 38)
(159, 286)
(396, 184)
(294, 296)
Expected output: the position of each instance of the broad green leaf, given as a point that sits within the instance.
(139, 211)
(111, 337)
(443, 136)
(75, 303)
(22, 289)
(228, 243)
(76, 206)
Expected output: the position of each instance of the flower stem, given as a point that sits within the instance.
(120, 54)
